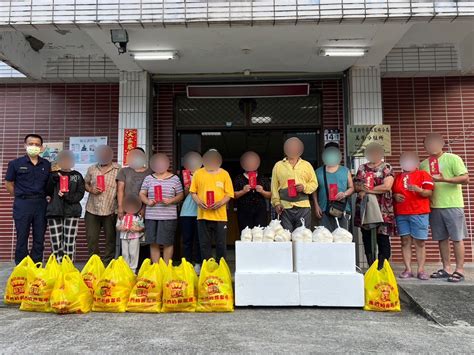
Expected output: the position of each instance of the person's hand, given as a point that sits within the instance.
(439, 178)
(366, 188)
(414, 188)
(95, 190)
(151, 203)
(202, 205)
(399, 197)
(340, 196)
(362, 194)
(120, 213)
(123, 229)
(60, 194)
(216, 205)
(167, 201)
(259, 188)
(279, 209)
(318, 212)
(246, 188)
(134, 229)
(48, 199)
(299, 187)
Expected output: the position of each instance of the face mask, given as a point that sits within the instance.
(33, 150)
(409, 165)
(331, 158)
(137, 163)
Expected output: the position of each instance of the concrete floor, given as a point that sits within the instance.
(258, 330)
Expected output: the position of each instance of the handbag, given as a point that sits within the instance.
(334, 208)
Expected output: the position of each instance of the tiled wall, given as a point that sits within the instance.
(57, 112)
(417, 106)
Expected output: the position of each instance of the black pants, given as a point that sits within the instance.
(252, 217)
(209, 231)
(291, 218)
(94, 224)
(189, 231)
(383, 244)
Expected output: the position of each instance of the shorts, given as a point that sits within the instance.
(415, 225)
(448, 223)
(160, 232)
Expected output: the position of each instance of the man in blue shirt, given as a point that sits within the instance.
(26, 180)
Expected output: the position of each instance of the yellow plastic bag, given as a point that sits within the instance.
(67, 265)
(147, 293)
(15, 289)
(40, 285)
(179, 288)
(70, 294)
(113, 290)
(145, 265)
(381, 290)
(215, 292)
(92, 272)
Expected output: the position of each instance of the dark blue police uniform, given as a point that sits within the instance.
(29, 207)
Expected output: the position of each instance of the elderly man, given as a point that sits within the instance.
(102, 202)
(293, 181)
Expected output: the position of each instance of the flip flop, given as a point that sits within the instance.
(440, 274)
(406, 275)
(423, 276)
(456, 277)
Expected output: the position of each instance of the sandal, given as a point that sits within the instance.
(423, 276)
(456, 277)
(440, 274)
(406, 275)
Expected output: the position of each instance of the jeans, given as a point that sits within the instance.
(209, 231)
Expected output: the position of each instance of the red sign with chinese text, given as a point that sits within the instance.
(130, 138)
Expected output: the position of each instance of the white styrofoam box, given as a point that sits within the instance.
(324, 257)
(266, 289)
(331, 290)
(263, 257)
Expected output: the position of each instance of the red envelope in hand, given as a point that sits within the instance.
(64, 183)
(128, 221)
(333, 191)
(187, 178)
(434, 165)
(292, 188)
(100, 182)
(370, 180)
(158, 193)
(252, 179)
(210, 198)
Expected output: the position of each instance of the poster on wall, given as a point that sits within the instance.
(332, 135)
(358, 137)
(130, 139)
(84, 154)
(50, 152)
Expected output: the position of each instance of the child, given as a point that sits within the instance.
(161, 213)
(212, 189)
(131, 228)
(251, 201)
(64, 208)
(412, 190)
(188, 217)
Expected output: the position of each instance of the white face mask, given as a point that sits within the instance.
(33, 150)
(409, 165)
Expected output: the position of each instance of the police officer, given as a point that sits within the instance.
(26, 180)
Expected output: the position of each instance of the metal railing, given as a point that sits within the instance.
(217, 11)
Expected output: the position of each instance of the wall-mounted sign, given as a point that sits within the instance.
(332, 135)
(358, 137)
(130, 138)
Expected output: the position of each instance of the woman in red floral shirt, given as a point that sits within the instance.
(382, 188)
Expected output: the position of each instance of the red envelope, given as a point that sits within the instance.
(210, 198)
(292, 188)
(252, 179)
(434, 165)
(370, 180)
(158, 193)
(333, 191)
(100, 182)
(64, 183)
(128, 221)
(187, 178)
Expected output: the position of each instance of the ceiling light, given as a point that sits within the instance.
(155, 55)
(343, 52)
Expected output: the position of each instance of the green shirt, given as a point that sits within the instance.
(445, 194)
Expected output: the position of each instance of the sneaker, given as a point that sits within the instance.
(197, 268)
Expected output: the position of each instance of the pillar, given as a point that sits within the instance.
(135, 109)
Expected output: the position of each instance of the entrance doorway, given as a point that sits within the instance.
(234, 126)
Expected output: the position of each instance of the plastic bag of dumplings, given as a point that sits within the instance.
(215, 292)
(302, 234)
(17, 283)
(179, 288)
(40, 285)
(113, 290)
(147, 293)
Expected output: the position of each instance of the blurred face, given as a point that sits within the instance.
(66, 161)
(212, 160)
(293, 148)
(160, 163)
(192, 161)
(374, 153)
(409, 161)
(136, 159)
(434, 144)
(132, 206)
(250, 161)
(332, 156)
(104, 154)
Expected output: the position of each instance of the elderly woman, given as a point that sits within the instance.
(66, 189)
(375, 178)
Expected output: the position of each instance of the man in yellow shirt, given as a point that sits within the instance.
(212, 189)
(294, 205)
